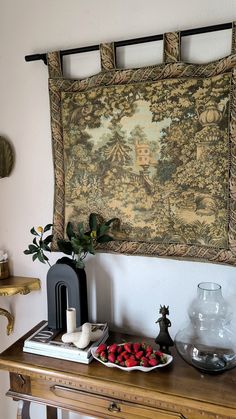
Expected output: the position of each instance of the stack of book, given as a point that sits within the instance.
(48, 342)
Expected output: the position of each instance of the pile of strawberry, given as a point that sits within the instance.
(131, 354)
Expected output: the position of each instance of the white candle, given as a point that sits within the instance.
(71, 320)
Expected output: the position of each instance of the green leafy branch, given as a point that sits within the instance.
(40, 244)
(79, 242)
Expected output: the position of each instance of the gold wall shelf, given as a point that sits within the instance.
(16, 285)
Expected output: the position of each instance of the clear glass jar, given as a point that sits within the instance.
(208, 343)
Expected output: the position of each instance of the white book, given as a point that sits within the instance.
(68, 352)
(48, 342)
(66, 357)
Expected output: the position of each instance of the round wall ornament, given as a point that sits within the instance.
(6, 157)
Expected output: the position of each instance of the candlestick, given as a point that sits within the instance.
(71, 319)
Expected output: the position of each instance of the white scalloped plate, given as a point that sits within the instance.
(137, 367)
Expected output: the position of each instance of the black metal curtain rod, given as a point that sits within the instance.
(152, 38)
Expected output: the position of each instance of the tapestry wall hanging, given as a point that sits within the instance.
(153, 146)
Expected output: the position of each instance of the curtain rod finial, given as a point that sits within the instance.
(36, 57)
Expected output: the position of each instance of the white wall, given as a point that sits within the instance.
(125, 290)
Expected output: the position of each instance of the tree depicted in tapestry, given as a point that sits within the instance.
(154, 155)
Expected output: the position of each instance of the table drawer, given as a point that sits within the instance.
(98, 406)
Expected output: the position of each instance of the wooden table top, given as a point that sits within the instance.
(177, 379)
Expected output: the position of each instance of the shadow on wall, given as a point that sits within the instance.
(100, 292)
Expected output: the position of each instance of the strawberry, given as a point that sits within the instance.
(119, 349)
(112, 348)
(131, 363)
(122, 363)
(125, 354)
(161, 356)
(102, 347)
(136, 347)
(153, 362)
(111, 357)
(147, 354)
(143, 345)
(163, 359)
(128, 347)
(139, 354)
(119, 359)
(152, 356)
(146, 346)
(103, 356)
(131, 356)
(144, 362)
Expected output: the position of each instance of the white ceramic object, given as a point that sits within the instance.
(3, 256)
(71, 319)
(137, 367)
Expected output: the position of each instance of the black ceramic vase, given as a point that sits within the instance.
(66, 287)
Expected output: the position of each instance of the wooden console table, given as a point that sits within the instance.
(177, 391)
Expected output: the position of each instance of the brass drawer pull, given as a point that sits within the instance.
(113, 407)
(20, 379)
